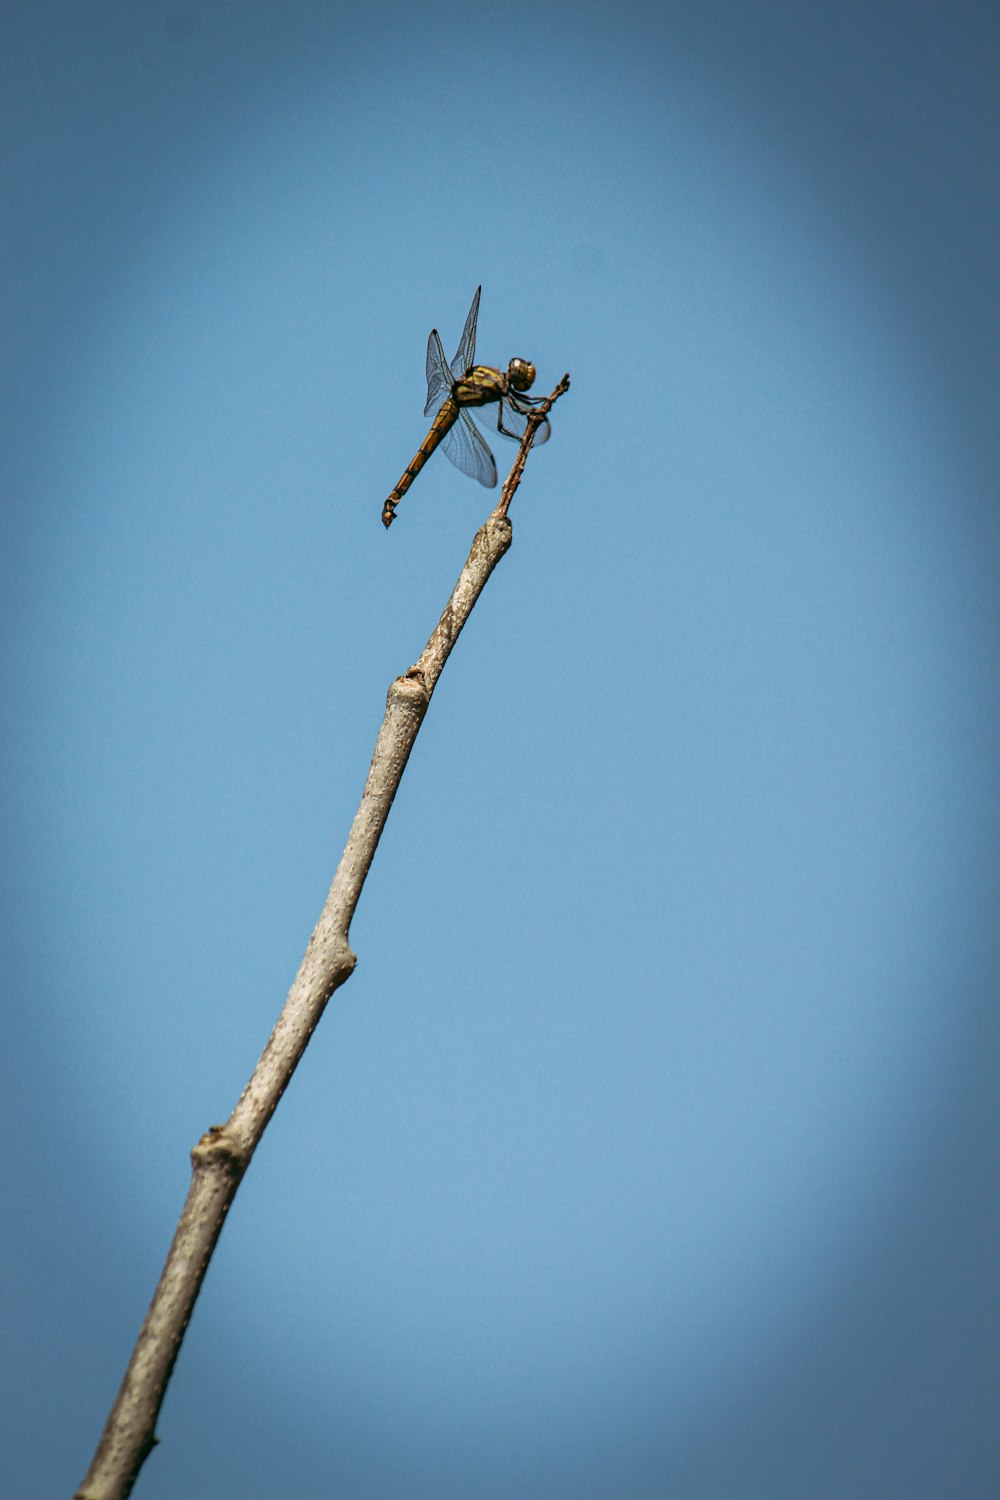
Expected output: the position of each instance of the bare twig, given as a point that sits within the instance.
(224, 1152)
(535, 420)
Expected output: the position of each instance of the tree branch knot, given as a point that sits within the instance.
(219, 1147)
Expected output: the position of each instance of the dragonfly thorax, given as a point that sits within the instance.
(521, 374)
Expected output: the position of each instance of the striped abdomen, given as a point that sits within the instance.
(445, 419)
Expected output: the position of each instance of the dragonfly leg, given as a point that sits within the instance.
(517, 436)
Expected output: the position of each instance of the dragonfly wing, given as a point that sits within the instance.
(438, 375)
(543, 434)
(468, 451)
(465, 355)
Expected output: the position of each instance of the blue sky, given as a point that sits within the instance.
(650, 1151)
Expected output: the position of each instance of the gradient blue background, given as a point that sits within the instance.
(651, 1150)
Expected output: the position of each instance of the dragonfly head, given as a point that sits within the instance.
(521, 374)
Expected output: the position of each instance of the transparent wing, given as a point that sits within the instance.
(465, 355)
(438, 375)
(468, 452)
(509, 417)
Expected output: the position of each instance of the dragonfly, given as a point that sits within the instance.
(497, 397)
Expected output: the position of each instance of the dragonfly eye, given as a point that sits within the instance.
(521, 374)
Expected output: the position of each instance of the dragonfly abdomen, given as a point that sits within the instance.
(446, 418)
